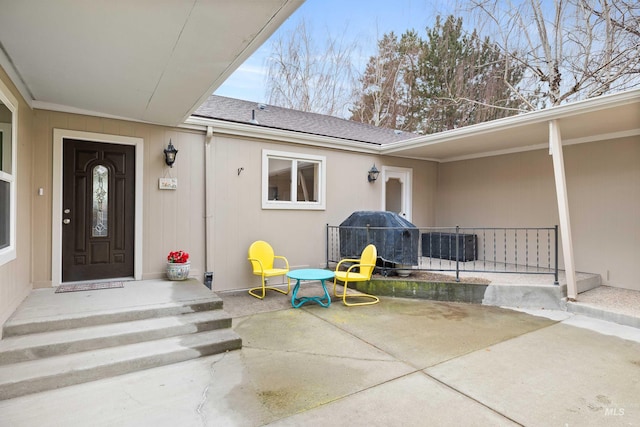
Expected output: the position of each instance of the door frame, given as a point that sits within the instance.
(405, 175)
(59, 135)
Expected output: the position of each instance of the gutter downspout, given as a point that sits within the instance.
(555, 149)
(209, 197)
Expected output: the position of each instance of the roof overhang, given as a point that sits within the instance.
(606, 117)
(139, 60)
(248, 130)
(597, 119)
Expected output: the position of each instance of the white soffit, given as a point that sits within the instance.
(147, 60)
(606, 117)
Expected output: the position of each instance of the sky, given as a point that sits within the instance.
(362, 20)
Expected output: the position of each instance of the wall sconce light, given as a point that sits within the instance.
(170, 154)
(373, 173)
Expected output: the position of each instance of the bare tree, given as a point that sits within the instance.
(307, 77)
(572, 49)
(385, 95)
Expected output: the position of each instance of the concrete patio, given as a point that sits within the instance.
(401, 362)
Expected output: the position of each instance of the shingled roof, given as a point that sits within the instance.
(240, 111)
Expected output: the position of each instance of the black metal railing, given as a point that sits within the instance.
(525, 250)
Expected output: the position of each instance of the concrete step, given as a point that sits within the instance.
(33, 346)
(34, 376)
(588, 282)
(32, 325)
(548, 297)
(55, 340)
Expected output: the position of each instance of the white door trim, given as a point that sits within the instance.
(405, 176)
(56, 193)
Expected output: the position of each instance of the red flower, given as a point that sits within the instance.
(178, 257)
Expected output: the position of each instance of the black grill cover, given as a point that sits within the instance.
(395, 238)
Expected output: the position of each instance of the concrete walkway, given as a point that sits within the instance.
(398, 363)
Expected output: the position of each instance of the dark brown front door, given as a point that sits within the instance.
(98, 212)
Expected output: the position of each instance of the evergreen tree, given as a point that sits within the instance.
(464, 79)
(449, 80)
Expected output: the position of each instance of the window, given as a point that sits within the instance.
(100, 226)
(8, 119)
(292, 181)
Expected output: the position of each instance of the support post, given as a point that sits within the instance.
(327, 248)
(457, 253)
(555, 271)
(209, 200)
(555, 147)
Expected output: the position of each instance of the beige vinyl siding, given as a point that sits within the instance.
(15, 276)
(297, 234)
(172, 220)
(512, 190)
(175, 219)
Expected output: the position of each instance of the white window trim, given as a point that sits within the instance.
(280, 204)
(8, 253)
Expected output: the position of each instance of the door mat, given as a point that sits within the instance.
(88, 286)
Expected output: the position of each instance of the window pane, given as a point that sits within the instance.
(293, 181)
(307, 181)
(280, 179)
(100, 201)
(4, 214)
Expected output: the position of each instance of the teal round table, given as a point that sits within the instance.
(310, 274)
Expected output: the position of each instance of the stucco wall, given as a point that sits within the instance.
(297, 234)
(603, 180)
(504, 191)
(15, 276)
(517, 190)
(172, 219)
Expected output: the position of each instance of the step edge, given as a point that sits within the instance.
(44, 345)
(54, 323)
(211, 343)
(70, 378)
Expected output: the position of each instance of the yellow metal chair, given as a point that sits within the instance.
(365, 266)
(262, 258)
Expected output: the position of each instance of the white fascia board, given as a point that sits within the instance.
(496, 153)
(60, 108)
(401, 156)
(259, 132)
(16, 79)
(602, 137)
(534, 117)
(286, 10)
(566, 142)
